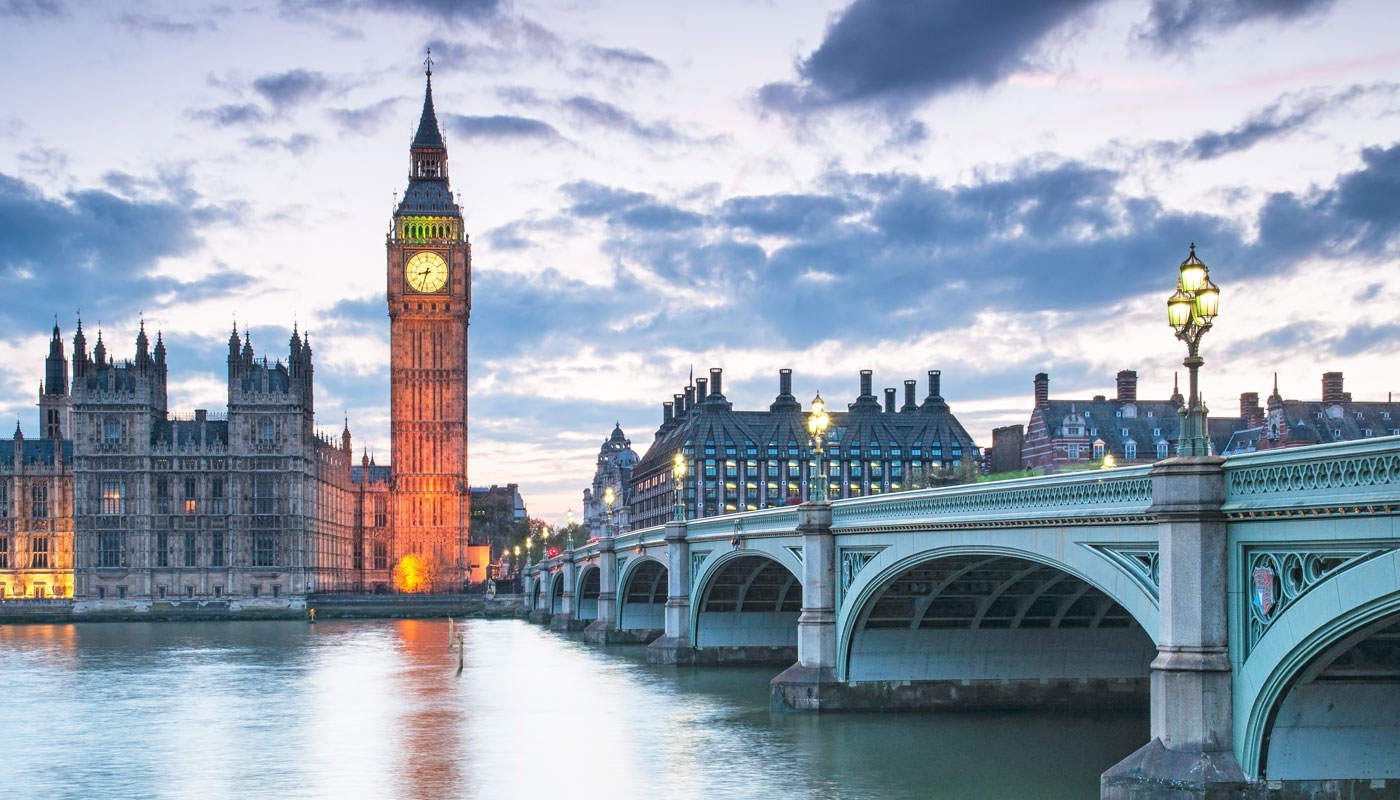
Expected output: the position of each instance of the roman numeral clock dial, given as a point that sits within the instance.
(426, 272)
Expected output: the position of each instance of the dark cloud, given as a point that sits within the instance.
(1361, 338)
(783, 214)
(105, 244)
(898, 53)
(1179, 23)
(295, 144)
(363, 120)
(32, 9)
(606, 115)
(519, 95)
(625, 58)
(1275, 120)
(144, 23)
(228, 115)
(519, 234)
(500, 126)
(291, 88)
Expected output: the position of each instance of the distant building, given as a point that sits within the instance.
(1336, 417)
(1063, 432)
(746, 460)
(616, 461)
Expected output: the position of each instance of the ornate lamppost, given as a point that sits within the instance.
(817, 423)
(678, 472)
(1191, 311)
(608, 498)
(569, 530)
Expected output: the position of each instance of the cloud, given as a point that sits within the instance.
(362, 120)
(606, 115)
(144, 23)
(441, 10)
(1275, 120)
(228, 115)
(625, 58)
(1363, 338)
(291, 88)
(33, 9)
(108, 244)
(897, 53)
(1178, 23)
(500, 126)
(295, 144)
(784, 214)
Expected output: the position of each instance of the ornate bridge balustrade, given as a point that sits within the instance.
(1253, 603)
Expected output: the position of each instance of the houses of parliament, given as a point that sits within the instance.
(116, 502)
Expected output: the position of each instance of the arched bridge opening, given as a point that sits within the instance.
(1337, 719)
(556, 595)
(586, 598)
(748, 612)
(643, 606)
(998, 631)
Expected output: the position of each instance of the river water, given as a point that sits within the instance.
(378, 709)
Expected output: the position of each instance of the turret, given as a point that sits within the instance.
(79, 351)
(56, 366)
(99, 351)
(143, 351)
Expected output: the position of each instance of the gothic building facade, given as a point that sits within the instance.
(746, 460)
(119, 503)
(616, 460)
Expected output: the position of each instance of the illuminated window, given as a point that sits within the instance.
(39, 494)
(113, 496)
(190, 493)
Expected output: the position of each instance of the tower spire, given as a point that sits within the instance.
(429, 136)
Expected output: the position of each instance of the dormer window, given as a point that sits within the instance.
(1130, 449)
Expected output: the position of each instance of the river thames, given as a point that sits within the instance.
(379, 709)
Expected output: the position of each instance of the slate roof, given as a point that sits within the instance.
(1314, 421)
(428, 136)
(428, 196)
(34, 451)
(377, 473)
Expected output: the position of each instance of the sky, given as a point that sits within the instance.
(988, 189)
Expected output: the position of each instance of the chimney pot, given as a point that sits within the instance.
(935, 383)
(866, 381)
(1042, 388)
(715, 376)
(701, 390)
(666, 413)
(784, 381)
(889, 401)
(910, 403)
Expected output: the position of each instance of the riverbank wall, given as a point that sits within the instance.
(327, 607)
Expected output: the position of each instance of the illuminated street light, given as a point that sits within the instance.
(1190, 311)
(608, 498)
(817, 423)
(569, 530)
(678, 472)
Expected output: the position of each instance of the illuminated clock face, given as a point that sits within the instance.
(426, 272)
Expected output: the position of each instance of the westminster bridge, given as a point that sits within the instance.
(1252, 603)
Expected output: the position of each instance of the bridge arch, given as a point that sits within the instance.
(556, 593)
(589, 586)
(1293, 693)
(747, 598)
(1080, 561)
(536, 592)
(642, 596)
(999, 614)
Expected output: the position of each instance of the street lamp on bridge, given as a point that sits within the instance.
(569, 529)
(608, 498)
(1191, 311)
(817, 423)
(678, 472)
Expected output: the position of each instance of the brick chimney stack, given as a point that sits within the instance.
(889, 401)
(1042, 388)
(1332, 388)
(1127, 386)
(1250, 411)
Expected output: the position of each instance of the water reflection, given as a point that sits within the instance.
(360, 709)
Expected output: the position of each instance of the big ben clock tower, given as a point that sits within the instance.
(429, 267)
